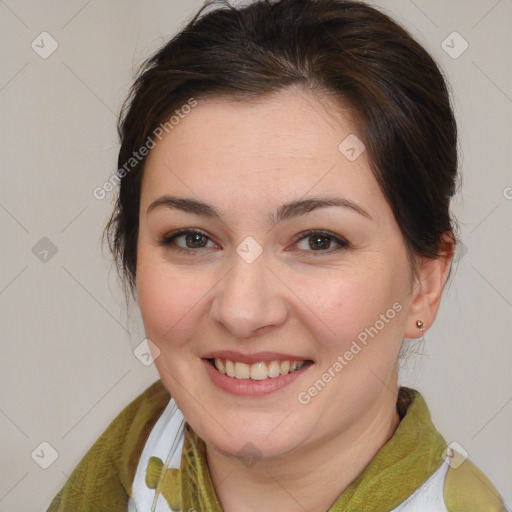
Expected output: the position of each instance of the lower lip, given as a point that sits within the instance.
(249, 387)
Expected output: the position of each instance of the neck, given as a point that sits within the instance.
(311, 479)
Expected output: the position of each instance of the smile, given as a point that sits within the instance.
(254, 375)
(257, 371)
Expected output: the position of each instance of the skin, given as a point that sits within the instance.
(247, 158)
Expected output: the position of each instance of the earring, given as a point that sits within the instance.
(419, 325)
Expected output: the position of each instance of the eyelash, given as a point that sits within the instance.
(167, 241)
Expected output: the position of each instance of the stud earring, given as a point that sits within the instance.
(419, 325)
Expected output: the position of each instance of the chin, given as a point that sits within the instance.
(247, 445)
(241, 435)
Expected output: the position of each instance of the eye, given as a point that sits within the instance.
(317, 241)
(193, 239)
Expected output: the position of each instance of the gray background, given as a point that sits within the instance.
(67, 364)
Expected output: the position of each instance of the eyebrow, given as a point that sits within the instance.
(284, 212)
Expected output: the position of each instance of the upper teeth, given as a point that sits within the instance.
(256, 371)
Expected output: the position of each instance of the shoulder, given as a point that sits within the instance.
(467, 489)
(103, 478)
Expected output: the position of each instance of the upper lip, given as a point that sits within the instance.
(255, 357)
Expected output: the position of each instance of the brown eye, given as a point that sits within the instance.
(321, 242)
(192, 239)
(195, 240)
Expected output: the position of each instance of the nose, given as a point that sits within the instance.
(249, 299)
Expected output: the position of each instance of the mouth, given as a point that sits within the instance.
(254, 374)
(261, 370)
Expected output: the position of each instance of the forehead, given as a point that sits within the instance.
(287, 143)
(285, 124)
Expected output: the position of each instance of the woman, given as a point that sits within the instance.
(284, 224)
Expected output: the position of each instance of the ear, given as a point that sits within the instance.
(428, 288)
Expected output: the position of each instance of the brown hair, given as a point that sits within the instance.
(346, 48)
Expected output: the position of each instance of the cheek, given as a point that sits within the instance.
(347, 303)
(169, 300)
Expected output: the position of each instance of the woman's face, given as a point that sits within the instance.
(254, 288)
